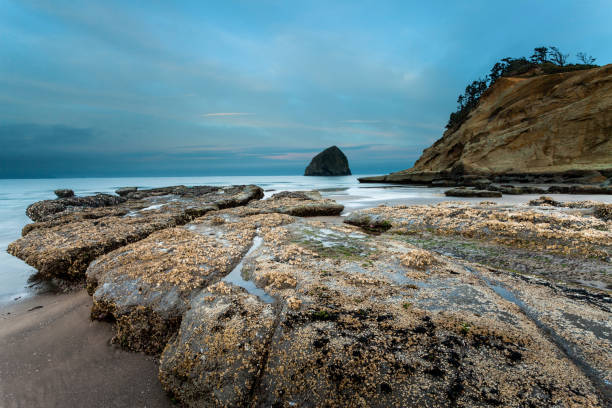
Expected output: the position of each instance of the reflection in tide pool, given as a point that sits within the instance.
(236, 275)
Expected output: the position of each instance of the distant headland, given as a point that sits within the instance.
(529, 121)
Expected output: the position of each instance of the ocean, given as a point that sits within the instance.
(17, 194)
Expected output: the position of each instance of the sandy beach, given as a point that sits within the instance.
(53, 355)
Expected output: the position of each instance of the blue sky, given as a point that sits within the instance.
(112, 88)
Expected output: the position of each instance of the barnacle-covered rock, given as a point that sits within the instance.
(149, 283)
(253, 306)
(64, 251)
(603, 211)
(124, 191)
(302, 195)
(299, 204)
(220, 349)
(73, 233)
(67, 218)
(600, 210)
(64, 193)
(547, 229)
(42, 210)
(368, 221)
(343, 354)
(392, 326)
(234, 194)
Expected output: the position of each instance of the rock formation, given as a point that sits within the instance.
(64, 193)
(547, 129)
(72, 232)
(124, 191)
(248, 303)
(44, 210)
(330, 162)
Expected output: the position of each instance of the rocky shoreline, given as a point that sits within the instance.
(459, 176)
(464, 185)
(279, 302)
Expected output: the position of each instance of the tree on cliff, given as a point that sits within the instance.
(585, 59)
(557, 56)
(468, 101)
(540, 55)
(557, 63)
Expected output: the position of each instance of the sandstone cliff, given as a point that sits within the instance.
(546, 125)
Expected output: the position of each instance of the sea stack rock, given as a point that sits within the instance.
(330, 162)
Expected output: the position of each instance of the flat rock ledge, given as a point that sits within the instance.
(569, 182)
(45, 210)
(64, 193)
(72, 232)
(256, 305)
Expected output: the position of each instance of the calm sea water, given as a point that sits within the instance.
(16, 195)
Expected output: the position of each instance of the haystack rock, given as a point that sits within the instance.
(330, 162)
(546, 128)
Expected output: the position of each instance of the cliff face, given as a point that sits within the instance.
(548, 124)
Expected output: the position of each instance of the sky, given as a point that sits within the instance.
(152, 88)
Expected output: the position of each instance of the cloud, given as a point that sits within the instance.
(94, 81)
(343, 131)
(203, 148)
(290, 156)
(361, 121)
(223, 114)
(45, 139)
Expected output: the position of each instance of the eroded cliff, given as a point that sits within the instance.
(545, 126)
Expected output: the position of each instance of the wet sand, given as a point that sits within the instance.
(55, 356)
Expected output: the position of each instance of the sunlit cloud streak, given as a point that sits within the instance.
(225, 114)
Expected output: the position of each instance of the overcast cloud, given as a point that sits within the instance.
(253, 87)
